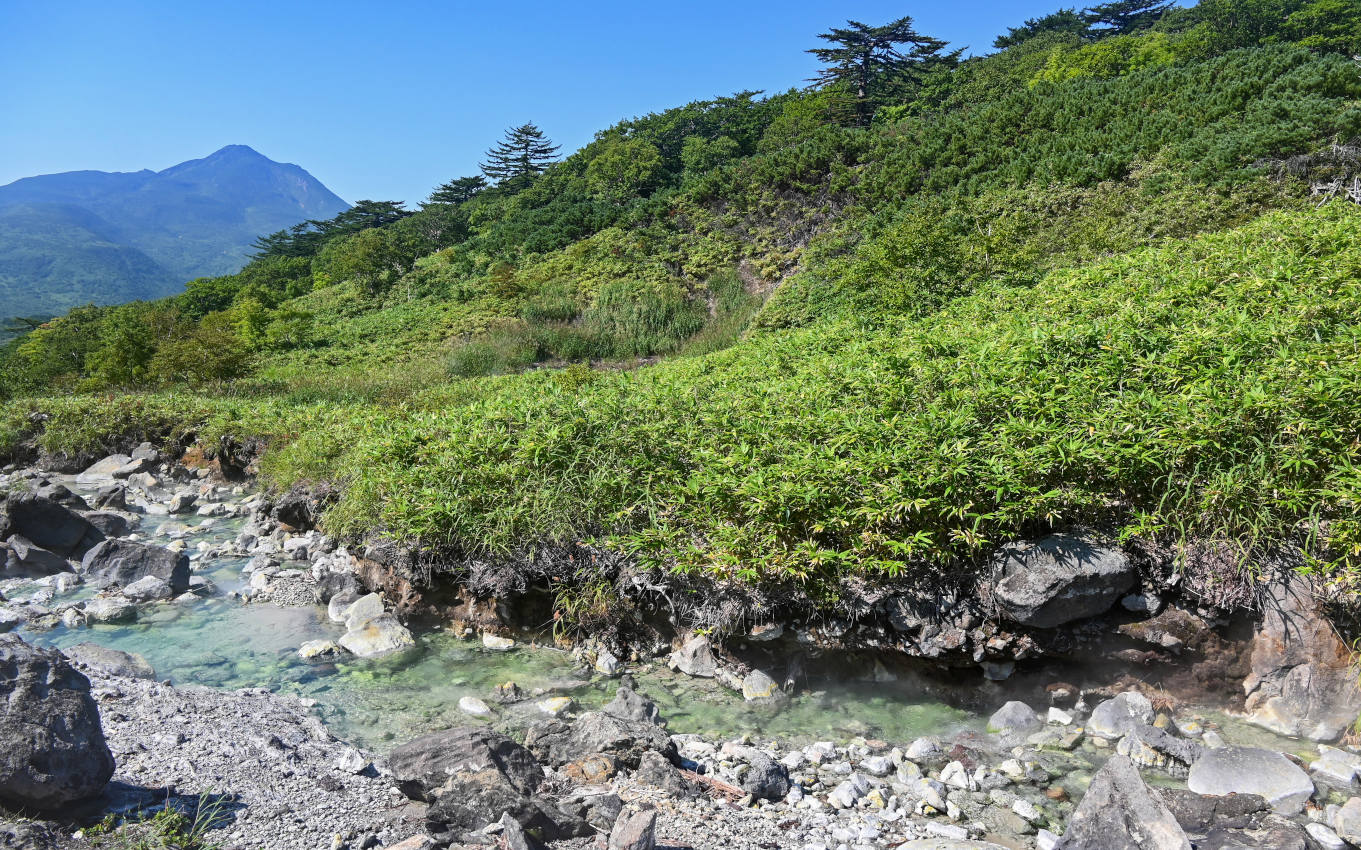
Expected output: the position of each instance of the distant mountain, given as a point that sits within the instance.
(93, 236)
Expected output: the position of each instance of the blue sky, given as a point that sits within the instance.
(386, 100)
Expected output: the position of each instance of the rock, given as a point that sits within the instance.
(655, 770)
(849, 792)
(1014, 718)
(378, 636)
(1324, 837)
(471, 777)
(1201, 814)
(110, 662)
(102, 471)
(1302, 683)
(496, 642)
(133, 467)
(596, 805)
(628, 704)
(1115, 717)
(109, 523)
(362, 610)
(766, 632)
(181, 502)
(54, 753)
(112, 497)
(148, 589)
(948, 843)
(598, 768)
(319, 649)
(25, 558)
(513, 835)
(695, 658)
(1337, 766)
(758, 686)
(474, 707)
(123, 562)
(634, 831)
(337, 608)
(50, 525)
(555, 706)
(766, 779)
(1347, 821)
(1059, 579)
(1149, 746)
(1119, 812)
(110, 609)
(624, 737)
(1249, 770)
(606, 664)
(1174, 629)
(146, 451)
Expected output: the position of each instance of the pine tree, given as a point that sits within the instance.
(1122, 17)
(520, 157)
(866, 61)
(1062, 21)
(458, 191)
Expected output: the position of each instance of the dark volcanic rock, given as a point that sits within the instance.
(472, 776)
(123, 561)
(1060, 579)
(110, 662)
(1119, 812)
(623, 729)
(51, 526)
(54, 752)
(109, 524)
(24, 558)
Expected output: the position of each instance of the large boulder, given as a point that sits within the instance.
(110, 524)
(54, 752)
(110, 662)
(50, 525)
(101, 472)
(1060, 579)
(1302, 682)
(23, 557)
(123, 562)
(1119, 812)
(1121, 714)
(621, 729)
(377, 636)
(695, 658)
(1250, 770)
(471, 777)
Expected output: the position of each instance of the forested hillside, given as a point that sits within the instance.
(1106, 275)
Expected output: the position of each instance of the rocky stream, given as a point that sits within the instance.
(177, 640)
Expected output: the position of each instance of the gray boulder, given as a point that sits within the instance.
(1302, 682)
(102, 471)
(50, 525)
(655, 770)
(597, 805)
(112, 497)
(1250, 770)
(377, 636)
(148, 589)
(1117, 716)
(124, 561)
(1060, 579)
(758, 686)
(110, 662)
(109, 523)
(1119, 812)
(181, 502)
(1014, 718)
(473, 776)
(60, 494)
(766, 779)
(622, 735)
(54, 753)
(634, 831)
(110, 609)
(695, 658)
(25, 558)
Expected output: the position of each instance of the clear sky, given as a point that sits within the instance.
(385, 100)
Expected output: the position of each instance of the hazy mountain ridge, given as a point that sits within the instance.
(107, 237)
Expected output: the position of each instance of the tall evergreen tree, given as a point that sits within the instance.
(1062, 21)
(520, 157)
(457, 191)
(1122, 17)
(868, 63)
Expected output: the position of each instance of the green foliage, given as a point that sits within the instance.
(624, 168)
(166, 829)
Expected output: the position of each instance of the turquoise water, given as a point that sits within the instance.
(379, 703)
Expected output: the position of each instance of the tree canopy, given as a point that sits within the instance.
(522, 155)
(868, 62)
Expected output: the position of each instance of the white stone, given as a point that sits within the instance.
(1059, 716)
(554, 706)
(1325, 837)
(1249, 770)
(474, 707)
(491, 641)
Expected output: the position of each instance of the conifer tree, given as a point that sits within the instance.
(868, 63)
(457, 191)
(520, 157)
(1062, 21)
(1122, 17)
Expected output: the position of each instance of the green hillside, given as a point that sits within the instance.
(1097, 278)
